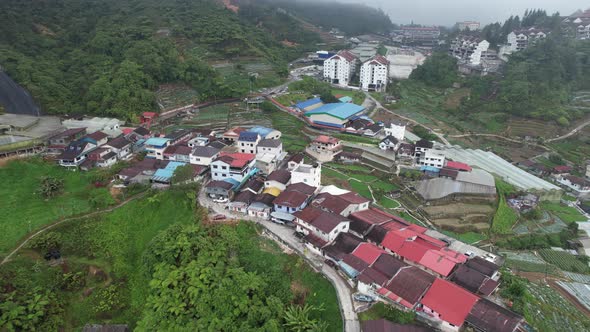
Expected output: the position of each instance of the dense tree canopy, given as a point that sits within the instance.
(107, 56)
(439, 70)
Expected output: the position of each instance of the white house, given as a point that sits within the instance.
(324, 148)
(389, 143)
(270, 146)
(374, 74)
(155, 147)
(278, 179)
(395, 129)
(339, 68)
(203, 155)
(248, 141)
(468, 49)
(432, 158)
(235, 166)
(579, 185)
(75, 153)
(308, 174)
(121, 146)
(324, 225)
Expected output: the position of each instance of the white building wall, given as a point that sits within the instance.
(376, 74)
(204, 161)
(312, 178)
(397, 131)
(340, 70)
(475, 58)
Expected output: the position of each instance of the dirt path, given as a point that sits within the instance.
(378, 106)
(50, 226)
(571, 133)
(513, 140)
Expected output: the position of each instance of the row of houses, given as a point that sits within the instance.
(340, 68)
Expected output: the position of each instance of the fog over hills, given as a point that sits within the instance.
(447, 12)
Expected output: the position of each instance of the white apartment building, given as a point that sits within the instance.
(339, 68)
(234, 166)
(518, 40)
(468, 49)
(374, 74)
(308, 174)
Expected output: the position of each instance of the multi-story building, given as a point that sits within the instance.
(339, 68)
(518, 40)
(324, 148)
(395, 129)
(235, 166)
(248, 141)
(420, 35)
(374, 74)
(59, 142)
(432, 158)
(155, 147)
(578, 24)
(308, 174)
(468, 49)
(75, 153)
(468, 26)
(203, 155)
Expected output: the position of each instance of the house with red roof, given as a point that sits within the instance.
(368, 252)
(322, 224)
(147, 118)
(324, 148)
(407, 287)
(343, 204)
(235, 166)
(292, 199)
(448, 303)
(233, 134)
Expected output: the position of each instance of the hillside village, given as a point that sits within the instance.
(388, 208)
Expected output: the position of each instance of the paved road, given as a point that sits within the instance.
(343, 290)
(514, 140)
(379, 106)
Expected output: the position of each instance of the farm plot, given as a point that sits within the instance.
(171, 96)
(224, 116)
(566, 213)
(547, 310)
(564, 261)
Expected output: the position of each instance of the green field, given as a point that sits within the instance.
(566, 213)
(504, 218)
(23, 210)
(381, 310)
(564, 261)
(358, 97)
(292, 129)
(389, 203)
(122, 246)
(292, 98)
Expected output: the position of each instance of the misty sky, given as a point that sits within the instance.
(447, 12)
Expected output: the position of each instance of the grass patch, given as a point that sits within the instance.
(292, 130)
(358, 97)
(292, 98)
(566, 213)
(504, 218)
(569, 198)
(357, 139)
(389, 203)
(23, 210)
(381, 310)
(361, 188)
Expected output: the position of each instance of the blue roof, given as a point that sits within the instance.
(429, 169)
(345, 99)
(157, 141)
(262, 131)
(308, 103)
(341, 111)
(165, 174)
(248, 136)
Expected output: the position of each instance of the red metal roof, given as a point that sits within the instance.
(376, 216)
(353, 198)
(458, 166)
(450, 301)
(326, 139)
(437, 262)
(293, 199)
(562, 169)
(237, 159)
(368, 252)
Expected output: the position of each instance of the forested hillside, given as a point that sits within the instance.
(107, 56)
(352, 19)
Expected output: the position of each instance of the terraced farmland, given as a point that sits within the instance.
(564, 261)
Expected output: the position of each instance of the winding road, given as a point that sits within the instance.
(571, 133)
(287, 236)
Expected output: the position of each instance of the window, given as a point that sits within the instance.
(223, 167)
(215, 174)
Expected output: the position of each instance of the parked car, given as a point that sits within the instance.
(221, 200)
(330, 263)
(299, 235)
(219, 217)
(362, 297)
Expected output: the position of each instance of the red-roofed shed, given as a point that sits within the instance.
(368, 252)
(448, 302)
(463, 167)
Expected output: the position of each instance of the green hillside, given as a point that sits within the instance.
(108, 57)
